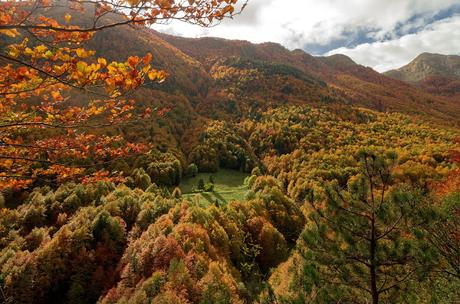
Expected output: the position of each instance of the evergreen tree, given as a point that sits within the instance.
(444, 235)
(192, 170)
(365, 244)
(177, 193)
(200, 185)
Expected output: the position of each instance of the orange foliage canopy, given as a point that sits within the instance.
(43, 136)
(452, 182)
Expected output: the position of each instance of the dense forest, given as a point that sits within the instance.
(138, 167)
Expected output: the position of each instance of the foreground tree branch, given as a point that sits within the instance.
(43, 61)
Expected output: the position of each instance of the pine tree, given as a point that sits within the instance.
(200, 185)
(444, 235)
(365, 244)
(192, 170)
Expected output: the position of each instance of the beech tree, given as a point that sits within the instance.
(43, 60)
(365, 243)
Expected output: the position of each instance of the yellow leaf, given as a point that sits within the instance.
(152, 75)
(80, 52)
(48, 54)
(14, 53)
(41, 48)
(81, 66)
(67, 18)
(8, 163)
(28, 51)
(102, 61)
(10, 33)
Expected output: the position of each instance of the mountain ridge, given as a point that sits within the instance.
(434, 73)
(347, 80)
(428, 64)
(214, 76)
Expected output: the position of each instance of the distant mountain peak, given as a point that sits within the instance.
(428, 65)
(427, 55)
(435, 73)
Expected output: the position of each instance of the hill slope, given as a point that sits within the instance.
(426, 65)
(213, 78)
(345, 80)
(434, 73)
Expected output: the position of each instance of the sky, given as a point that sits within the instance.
(382, 34)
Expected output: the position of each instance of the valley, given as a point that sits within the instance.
(227, 186)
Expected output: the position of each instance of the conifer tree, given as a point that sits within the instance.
(192, 170)
(444, 235)
(200, 184)
(365, 244)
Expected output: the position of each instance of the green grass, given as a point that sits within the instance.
(228, 186)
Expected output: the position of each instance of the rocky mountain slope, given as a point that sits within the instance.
(434, 73)
(426, 65)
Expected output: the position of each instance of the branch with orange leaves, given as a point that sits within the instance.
(62, 158)
(25, 15)
(43, 61)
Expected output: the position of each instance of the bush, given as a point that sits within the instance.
(141, 179)
(177, 193)
(208, 187)
(192, 170)
(200, 185)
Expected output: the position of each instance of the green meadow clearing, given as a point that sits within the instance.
(228, 186)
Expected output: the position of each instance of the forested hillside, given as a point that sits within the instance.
(140, 167)
(140, 241)
(341, 79)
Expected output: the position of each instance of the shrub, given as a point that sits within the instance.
(192, 170)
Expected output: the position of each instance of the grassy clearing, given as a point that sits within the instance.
(228, 186)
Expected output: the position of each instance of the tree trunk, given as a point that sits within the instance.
(373, 271)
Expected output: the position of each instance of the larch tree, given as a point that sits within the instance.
(43, 59)
(365, 244)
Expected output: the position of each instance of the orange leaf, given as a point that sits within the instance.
(133, 61)
(147, 58)
(56, 95)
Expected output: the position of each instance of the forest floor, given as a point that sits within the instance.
(228, 186)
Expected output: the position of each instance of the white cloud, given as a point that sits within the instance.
(297, 23)
(441, 37)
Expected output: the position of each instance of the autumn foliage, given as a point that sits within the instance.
(44, 137)
(338, 204)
